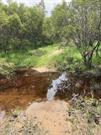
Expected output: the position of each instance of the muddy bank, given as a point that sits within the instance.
(31, 80)
(24, 87)
(82, 83)
(28, 85)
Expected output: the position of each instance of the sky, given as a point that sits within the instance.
(50, 4)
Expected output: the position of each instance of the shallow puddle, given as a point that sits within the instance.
(25, 89)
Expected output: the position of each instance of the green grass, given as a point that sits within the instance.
(42, 57)
(49, 56)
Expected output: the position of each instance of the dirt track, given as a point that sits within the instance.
(52, 115)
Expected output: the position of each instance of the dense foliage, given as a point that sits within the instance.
(78, 22)
(20, 26)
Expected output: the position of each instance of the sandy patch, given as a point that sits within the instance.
(52, 116)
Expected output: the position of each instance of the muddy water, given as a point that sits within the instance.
(26, 87)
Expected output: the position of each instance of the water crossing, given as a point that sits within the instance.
(56, 84)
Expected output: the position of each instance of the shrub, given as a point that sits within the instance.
(6, 68)
(85, 116)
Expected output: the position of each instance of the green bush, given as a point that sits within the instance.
(6, 68)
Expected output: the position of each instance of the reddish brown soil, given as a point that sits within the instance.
(25, 87)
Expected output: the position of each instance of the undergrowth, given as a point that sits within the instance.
(52, 56)
(85, 116)
(20, 124)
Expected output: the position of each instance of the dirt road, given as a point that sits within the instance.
(52, 115)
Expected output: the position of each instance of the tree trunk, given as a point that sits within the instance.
(88, 63)
(87, 58)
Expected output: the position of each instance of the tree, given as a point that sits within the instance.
(42, 5)
(4, 34)
(33, 24)
(48, 31)
(61, 21)
(80, 22)
(87, 24)
(20, 26)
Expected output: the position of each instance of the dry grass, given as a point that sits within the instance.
(85, 116)
(19, 124)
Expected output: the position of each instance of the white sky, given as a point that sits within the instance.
(50, 4)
